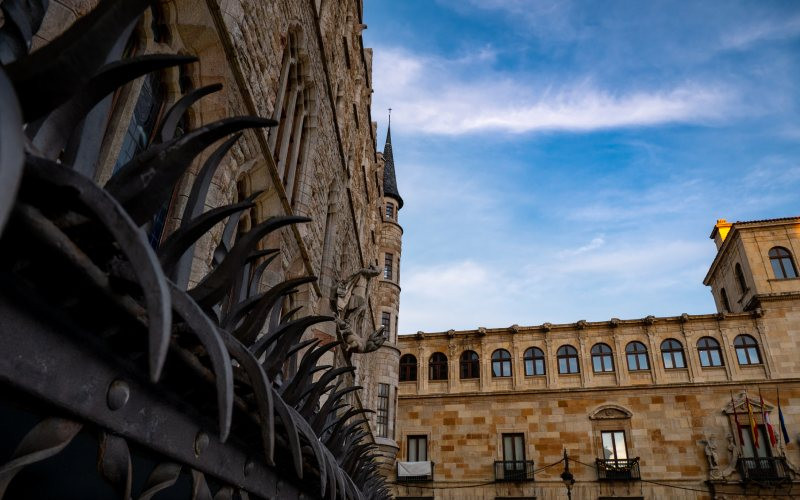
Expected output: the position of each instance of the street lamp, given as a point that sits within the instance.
(567, 476)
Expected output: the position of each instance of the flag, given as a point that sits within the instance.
(736, 419)
(765, 419)
(783, 423)
(753, 427)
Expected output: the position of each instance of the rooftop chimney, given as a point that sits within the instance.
(720, 232)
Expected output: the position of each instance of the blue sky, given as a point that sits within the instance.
(565, 160)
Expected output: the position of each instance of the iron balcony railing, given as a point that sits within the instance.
(513, 470)
(763, 469)
(403, 477)
(618, 469)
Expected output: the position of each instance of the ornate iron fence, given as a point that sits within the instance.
(763, 469)
(103, 350)
(513, 470)
(618, 470)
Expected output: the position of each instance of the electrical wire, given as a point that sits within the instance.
(685, 488)
(528, 475)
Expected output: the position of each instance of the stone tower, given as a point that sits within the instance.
(388, 303)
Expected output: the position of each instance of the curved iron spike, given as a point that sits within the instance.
(145, 183)
(52, 136)
(251, 326)
(196, 203)
(133, 244)
(285, 339)
(52, 75)
(206, 332)
(225, 243)
(22, 19)
(200, 489)
(177, 244)
(239, 311)
(294, 349)
(282, 409)
(303, 376)
(213, 287)
(45, 440)
(162, 477)
(298, 325)
(316, 447)
(291, 312)
(11, 148)
(333, 475)
(258, 272)
(262, 391)
(173, 116)
(263, 253)
(320, 387)
(340, 422)
(114, 463)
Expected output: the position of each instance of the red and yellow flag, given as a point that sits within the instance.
(765, 418)
(753, 426)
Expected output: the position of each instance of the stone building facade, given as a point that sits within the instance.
(302, 63)
(645, 408)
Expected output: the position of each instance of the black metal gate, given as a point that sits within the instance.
(114, 380)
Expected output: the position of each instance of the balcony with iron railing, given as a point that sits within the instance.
(763, 469)
(414, 472)
(513, 470)
(626, 469)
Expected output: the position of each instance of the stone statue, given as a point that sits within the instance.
(733, 456)
(711, 455)
(350, 307)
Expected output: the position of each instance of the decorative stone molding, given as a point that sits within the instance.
(650, 320)
(547, 326)
(482, 331)
(614, 322)
(581, 324)
(419, 335)
(684, 318)
(610, 412)
(451, 333)
(514, 328)
(758, 312)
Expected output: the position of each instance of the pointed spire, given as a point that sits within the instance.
(389, 178)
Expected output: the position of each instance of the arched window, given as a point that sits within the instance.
(710, 353)
(726, 306)
(782, 263)
(740, 279)
(672, 354)
(437, 367)
(470, 365)
(534, 361)
(747, 350)
(602, 360)
(408, 368)
(636, 353)
(567, 359)
(501, 363)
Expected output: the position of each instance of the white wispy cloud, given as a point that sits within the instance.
(439, 96)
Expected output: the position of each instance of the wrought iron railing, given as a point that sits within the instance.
(763, 469)
(415, 478)
(618, 469)
(513, 470)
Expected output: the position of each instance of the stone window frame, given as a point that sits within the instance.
(389, 210)
(383, 410)
(502, 359)
(408, 368)
(611, 417)
(388, 266)
(716, 347)
(472, 366)
(568, 352)
(747, 344)
(641, 350)
(740, 280)
(775, 255)
(671, 351)
(602, 353)
(414, 434)
(726, 304)
(439, 367)
(533, 358)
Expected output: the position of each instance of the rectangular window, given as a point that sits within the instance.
(417, 448)
(749, 449)
(382, 419)
(614, 447)
(387, 266)
(386, 321)
(390, 210)
(513, 454)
